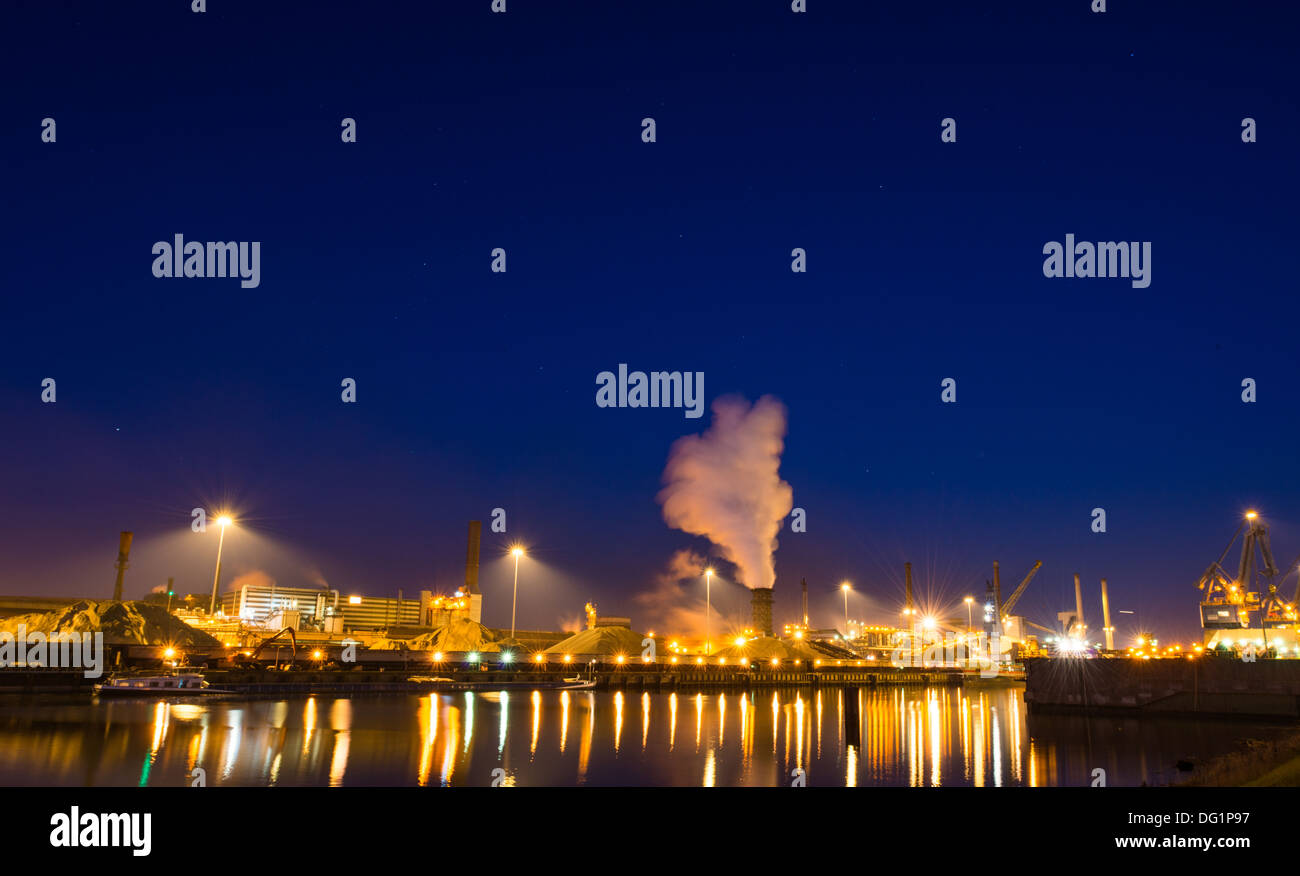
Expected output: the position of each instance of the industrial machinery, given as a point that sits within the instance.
(123, 561)
(1234, 603)
(1019, 591)
(998, 619)
(250, 660)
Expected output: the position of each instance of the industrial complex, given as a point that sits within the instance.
(258, 625)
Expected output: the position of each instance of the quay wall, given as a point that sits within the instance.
(270, 681)
(1207, 686)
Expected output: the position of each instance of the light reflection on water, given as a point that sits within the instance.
(895, 736)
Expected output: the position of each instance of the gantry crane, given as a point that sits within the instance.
(1229, 601)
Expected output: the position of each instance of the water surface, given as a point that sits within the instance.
(895, 736)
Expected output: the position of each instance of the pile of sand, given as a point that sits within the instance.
(600, 642)
(826, 650)
(384, 644)
(461, 635)
(764, 649)
(137, 623)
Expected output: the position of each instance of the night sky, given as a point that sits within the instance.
(476, 390)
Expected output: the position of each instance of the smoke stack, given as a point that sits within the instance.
(762, 605)
(989, 626)
(471, 557)
(123, 553)
(997, 594)
(1105, 618)
(804, 582)
(911, 612)
(1078, 607)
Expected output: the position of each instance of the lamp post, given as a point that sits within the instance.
(223, 521)
(970, 600)
(518, 552)
(845, 588)
(708, 610)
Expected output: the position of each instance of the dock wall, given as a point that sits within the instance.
(1208, 686)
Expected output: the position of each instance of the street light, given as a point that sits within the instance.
(708, 608)
(223, 521)
(517, 552)
(970, 600)
(845, 587)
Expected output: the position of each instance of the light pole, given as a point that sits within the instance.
(845, 587)
(970, 600)
(518, 552)
(223, 521)
(708, 610)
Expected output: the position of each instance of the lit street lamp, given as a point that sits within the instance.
(970, 600)
(223, 521)
(518, 552)
(708, 609)
(846, 588)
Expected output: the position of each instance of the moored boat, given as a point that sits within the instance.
(171, 684)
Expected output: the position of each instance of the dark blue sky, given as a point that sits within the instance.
(476, 390)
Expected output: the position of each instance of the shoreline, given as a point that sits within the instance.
(1258, 763)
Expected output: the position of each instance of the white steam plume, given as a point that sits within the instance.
(725, 485)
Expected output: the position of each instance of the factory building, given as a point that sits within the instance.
(258, 604)
(331, 612)
(325, 610)
(380, 613)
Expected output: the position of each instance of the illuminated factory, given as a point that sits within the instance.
(330, 612)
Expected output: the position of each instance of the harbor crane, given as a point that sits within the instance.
(997, 614)
(1019, 591)
(1229, 601)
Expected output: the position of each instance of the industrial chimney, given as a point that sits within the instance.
(471, 558)
(907, 574)
(1105, 618)
(997, 594)
(762, 604)
(123, 554)
(804, 582)
(1078, 609)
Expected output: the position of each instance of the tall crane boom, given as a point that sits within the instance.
(1019, 591)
